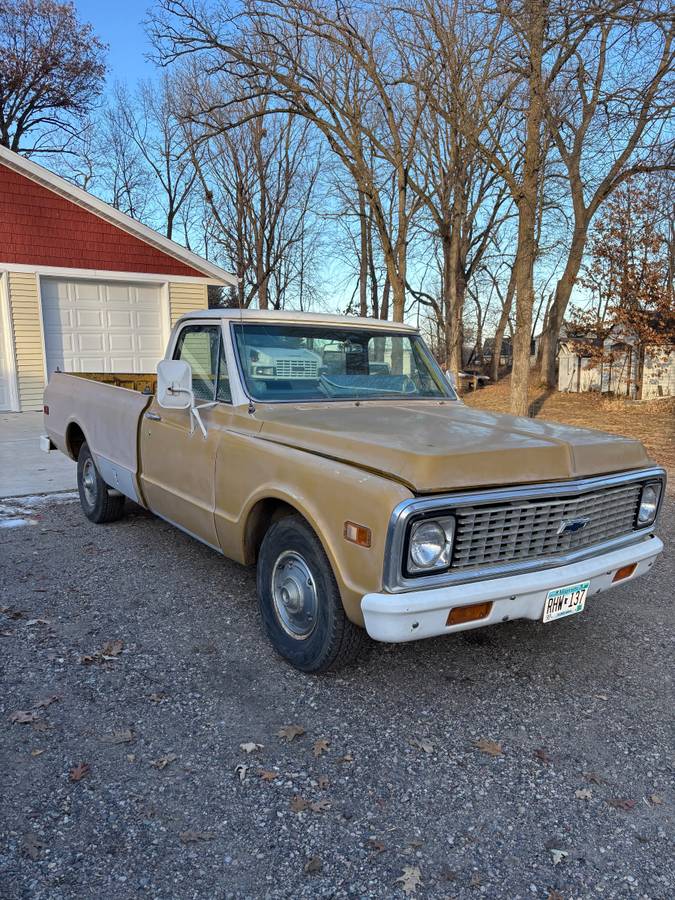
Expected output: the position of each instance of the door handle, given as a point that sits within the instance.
(153, 417)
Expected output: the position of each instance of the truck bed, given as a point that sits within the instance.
(104, 410)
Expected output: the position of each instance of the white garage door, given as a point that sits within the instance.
(102, 326)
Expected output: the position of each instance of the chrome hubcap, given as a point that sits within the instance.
(89, 481)
(294, 595)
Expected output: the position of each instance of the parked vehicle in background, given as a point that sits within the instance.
(332, 453)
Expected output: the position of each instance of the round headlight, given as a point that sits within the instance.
(427, 543)
(648, 504)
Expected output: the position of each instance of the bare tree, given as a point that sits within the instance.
(150, 124)
(51, 74)
(608, 117)
(258, 183)
(333, 65)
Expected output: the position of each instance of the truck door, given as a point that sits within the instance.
(177, 462)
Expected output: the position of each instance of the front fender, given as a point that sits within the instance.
(326, 492)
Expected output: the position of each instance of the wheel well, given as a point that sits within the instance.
(263, 514)
(74, 440)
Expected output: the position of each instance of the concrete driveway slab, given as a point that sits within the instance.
(24, 468)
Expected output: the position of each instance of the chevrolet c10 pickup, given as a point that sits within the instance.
(333, 454)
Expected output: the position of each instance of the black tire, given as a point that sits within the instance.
(332, 641)
(98, 502)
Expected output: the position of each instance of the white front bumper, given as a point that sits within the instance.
(419, 614)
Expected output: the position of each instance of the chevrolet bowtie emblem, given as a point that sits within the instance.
(571, 526)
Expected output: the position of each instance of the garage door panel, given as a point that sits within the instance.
(120, 318)
(102, 326)
(88, 318)
(121, 343)
(145, 320)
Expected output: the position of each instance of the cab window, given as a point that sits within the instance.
(202, 347)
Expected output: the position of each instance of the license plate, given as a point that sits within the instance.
(565, 601)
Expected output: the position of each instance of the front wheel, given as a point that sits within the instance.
(99, 503)
(299, 600)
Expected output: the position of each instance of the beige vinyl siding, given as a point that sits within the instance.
(185, 297)
(24, 301)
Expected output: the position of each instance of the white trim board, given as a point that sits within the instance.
(103, 210)
(104, 275)
(8, 333)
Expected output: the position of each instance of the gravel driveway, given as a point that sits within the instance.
(518, 761)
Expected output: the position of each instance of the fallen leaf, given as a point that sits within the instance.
(594, 778)
(323, 782)
(313, 865)
(267, 775)
(36, 752)
(250, 747)
(319, 806)
(416, 843)
(40, 725)
(158, 697)
(542, 756)
(31, 845)
(112, 649)
(555, 895)
(376, 846)
(321, 746)
(298, 803)
(119, 736)
(410, 879)
(423, 744)
(77, 773)
(601, 697)
(23, 717)
(619, 803)
(476, 880)
(11, 613)
(131, 757)
(241, 770)
(558, 855)
(32, 622)
(6, 633)
(583, 794)
(192, 837)
(163, 761)
(492, 748)
(347, 758)
(290, 732)
(43, 704)
(655, 800)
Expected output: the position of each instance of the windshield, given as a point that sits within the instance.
(310, 362)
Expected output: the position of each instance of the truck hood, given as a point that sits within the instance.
(433, 447)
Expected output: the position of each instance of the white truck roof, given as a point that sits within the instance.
(290, 316)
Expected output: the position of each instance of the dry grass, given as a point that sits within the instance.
(652, 422)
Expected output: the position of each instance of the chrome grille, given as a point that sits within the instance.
(508, 532)
(297, 368)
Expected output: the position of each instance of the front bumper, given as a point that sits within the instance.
(413, 615)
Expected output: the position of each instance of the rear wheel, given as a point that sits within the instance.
(99, 503)
(299, 600)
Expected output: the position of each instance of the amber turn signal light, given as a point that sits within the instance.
(461, 614)
(357, 534)
(624, 572)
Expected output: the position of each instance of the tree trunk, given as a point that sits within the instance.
(501, 327)
(363, 262)
(527, 213)
(556, 316)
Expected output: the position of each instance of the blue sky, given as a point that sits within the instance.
(119, 24)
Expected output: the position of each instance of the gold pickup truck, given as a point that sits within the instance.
(333, 454)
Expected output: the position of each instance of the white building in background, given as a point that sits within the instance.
(624, 375)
